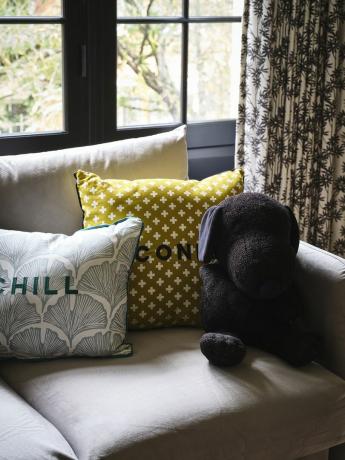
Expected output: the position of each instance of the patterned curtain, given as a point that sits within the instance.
(291, 125)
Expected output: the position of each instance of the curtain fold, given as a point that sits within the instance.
(291, 124)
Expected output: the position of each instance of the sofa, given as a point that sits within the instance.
(165, 401)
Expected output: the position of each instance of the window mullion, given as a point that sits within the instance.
(75, 86)
(184, 68)
(102, 69)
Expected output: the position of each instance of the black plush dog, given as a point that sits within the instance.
(247, 294)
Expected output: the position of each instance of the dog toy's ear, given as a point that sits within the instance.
(294, 236)
(208, 234)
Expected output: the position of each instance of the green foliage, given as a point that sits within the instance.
(14, 8)
(30, 69)
(30, 7)
(148, 77)
(215, 7)
(149, 63)
(30, 77)
(149, 8)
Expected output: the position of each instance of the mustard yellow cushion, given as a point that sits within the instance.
(164, 285)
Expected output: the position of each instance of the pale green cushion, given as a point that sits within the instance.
(66, 295)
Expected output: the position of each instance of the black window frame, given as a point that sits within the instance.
(89, 63)
(201, 134)
(75, 105)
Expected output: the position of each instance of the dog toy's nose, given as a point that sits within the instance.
(270, 289)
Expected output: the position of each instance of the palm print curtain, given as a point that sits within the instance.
(291, 125)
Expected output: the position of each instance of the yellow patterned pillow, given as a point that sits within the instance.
(164, 284)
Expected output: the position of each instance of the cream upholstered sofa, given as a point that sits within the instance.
(166, 401)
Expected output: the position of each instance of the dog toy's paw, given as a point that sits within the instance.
(222, 349)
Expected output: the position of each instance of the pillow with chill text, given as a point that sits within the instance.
(66, 295)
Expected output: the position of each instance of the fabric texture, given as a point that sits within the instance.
(40, 187)
(321, 278)
(291, 123)
(64, 296)
(164, 283)
(167, 402)
(25, 434)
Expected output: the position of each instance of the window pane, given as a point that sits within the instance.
(216, 7)
(214, 71)
(30, 8)
(30, 78)
(143, 8)
(148, 74)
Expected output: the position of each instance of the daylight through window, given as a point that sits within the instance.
(31, 96)
(177, 61)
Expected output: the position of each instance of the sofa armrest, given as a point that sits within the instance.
(320, 276)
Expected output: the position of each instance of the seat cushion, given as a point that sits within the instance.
(25, 434)
(166, 401)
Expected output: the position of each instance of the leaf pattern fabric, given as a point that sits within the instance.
(86, 316)
(291, 124)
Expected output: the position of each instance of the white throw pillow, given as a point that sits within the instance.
(38, 190)
(66, 295)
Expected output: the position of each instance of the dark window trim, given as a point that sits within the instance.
(211, 134)
(74, 88)
(199, 135)
(32, 20)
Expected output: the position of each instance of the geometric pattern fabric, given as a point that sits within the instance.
(164, 283)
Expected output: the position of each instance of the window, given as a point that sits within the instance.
(42, 92)
(31, 67)
(80, 72)
(177, 61)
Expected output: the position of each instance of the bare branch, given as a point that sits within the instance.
(149, 7)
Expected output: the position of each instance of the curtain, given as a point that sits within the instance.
(291, 124)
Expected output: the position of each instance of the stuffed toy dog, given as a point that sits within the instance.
(248, 244)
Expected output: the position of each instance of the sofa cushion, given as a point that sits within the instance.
(320, 276)
(66, 295)
(40, 187)
(165, 283)
(25, 434)
(167, 402)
